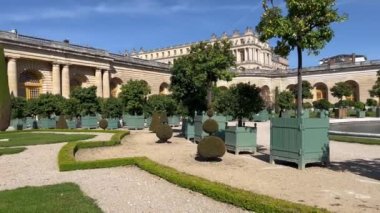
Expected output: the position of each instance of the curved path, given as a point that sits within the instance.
(350, 184)
(123, 189)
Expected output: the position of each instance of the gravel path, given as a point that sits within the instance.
(350, 184)
(123, 189)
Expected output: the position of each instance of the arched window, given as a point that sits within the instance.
(265, 95)
(115, 86)
(321, 91)
(77, 80)
(164, 88)
(355, 90)
(31, 84)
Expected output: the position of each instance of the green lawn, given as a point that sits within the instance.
(29, 138)
(350, 139)
(66, 197)
(9, 151)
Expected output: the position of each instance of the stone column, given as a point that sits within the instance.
(56, 74)
(238, 56)
(246, 54)
(250, 54)
(12, 76)
(65, 81)
(106, 84)
(99, 83)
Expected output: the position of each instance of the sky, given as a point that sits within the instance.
(117, 25)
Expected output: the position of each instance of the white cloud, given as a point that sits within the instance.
(135, 7)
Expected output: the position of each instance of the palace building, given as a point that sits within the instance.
(37, 65)
(250, 53)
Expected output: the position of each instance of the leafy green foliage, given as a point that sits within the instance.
(341, 89)
(193, 75)
(162, 103)
(89, 103)
(359, 105)
(5, 99)
(240, 101)
(344, 103)
(133, 95)
(322, 104)
(307, 105)
(18, 105)
(306, 26)
(286, 100)
(111, 108)
(222, 102)
(45, 105)
(375, 91)
(371, 102)
(306, 90)
(71, 107)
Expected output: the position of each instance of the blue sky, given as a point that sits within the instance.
(117, 25)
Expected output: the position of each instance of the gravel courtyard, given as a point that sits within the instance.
(350, 184)
(123, 189)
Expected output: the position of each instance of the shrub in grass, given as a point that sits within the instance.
(164, 132)
(5, 99)
(103, 124)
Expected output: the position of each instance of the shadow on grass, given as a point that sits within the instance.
(366, 168)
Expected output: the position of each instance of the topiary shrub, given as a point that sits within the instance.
(211, 147)
(210, 126)
(5, 99)
(158, 118)
(61, 124)
(322, 104)
(210, 113)
(103, 124)
(359, 106)
(164, 132)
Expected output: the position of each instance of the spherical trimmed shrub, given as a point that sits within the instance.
(211, 147)
(155, 121)
(103, 124)
(164, 132)
(210, 126)
(210, 113)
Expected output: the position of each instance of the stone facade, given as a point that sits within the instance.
(250, 53)
(38, 66)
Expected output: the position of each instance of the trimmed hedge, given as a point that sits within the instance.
(352, 139)
(9, 151)
(217, 191)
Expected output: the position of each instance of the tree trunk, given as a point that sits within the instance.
(209, 95)
(240, 122)
(299, 75)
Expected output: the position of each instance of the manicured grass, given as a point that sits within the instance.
(29, 138)
(217, 191)
(350, 139)
(9, 151)
(66, 197)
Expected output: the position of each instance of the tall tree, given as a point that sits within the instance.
(5, 98)
(306, 26)
(195, 74)
(306, 90)
(133, 95)
(375, 91)
(341, 89)
(89, 103)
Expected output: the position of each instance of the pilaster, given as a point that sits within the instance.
(12, 76)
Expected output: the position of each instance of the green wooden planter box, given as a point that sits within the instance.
(71, 124)
(18, 123)
(199, 134)
(47, 123)
(113, 123)
(148, 121)
(29, 122)
(173, 120)
(188, 128)
(299, 140)
(378, 112)
(323, 114)
(360, 114)
(134, 121)
(263, 115)
(89, 122)
(240, 139)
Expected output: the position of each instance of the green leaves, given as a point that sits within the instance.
(375, 91)
(286, 100)
(112, 108)
(133, 95)
(161, 103)
(89, 103)
(341, 89)
(306, 90)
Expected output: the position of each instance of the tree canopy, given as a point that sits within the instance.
(375, 91)
(286, 100)
(133, 95)
(341, 89)
(89, 103)
(306, 26)
(161, 103)
(306, 90)
(194, 74)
